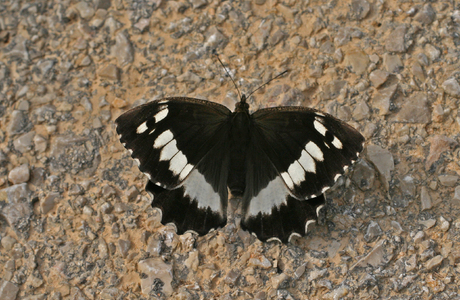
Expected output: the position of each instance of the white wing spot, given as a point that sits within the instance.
(320, 114)
(308, 223)
(320, 127)
(188, 168)
(137, 162)
(178, 163)
(161, 115)
(273, 239)
(337, 143)
(325, 189)
(314, 151)
(148, 176)
(307, 162)
(318, 209)
(345, 168)
(152, 131)
(142, 128)
(287, 180)
(337, 176)
(163, 139)
(130, 152)
(273, 195)
(163, 101)
(296, 172)
(294, 234)
(169, 151)
(198, 189)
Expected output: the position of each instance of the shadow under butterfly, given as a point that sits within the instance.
(278, 161)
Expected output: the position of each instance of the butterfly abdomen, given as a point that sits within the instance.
(240, 138)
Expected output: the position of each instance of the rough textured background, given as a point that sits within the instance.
(75, 222)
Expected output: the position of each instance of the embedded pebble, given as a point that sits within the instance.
(19, 174)
(123, 247)
(407, 185)
(8, 290)
(378, 77)
(8, 242)
(361, 111)
(358, 61)
(392, 63)
(363, 175)
(47, 204)
(419, 236)
(23, 143)
(85, 10)
(373, 231)
(359, 9)
(445, 225)
(452, 87)
(395, 41)
(439, 145)
(382, 100)
(40, 143)
(189, 77)
(338, 293)
(157, 276)
(415, 110)
(426, 15)
(448, 180)
(110, 72)
(418, 71)
(457, 194)
(432, 52)
(434, 262)
(123, 50)
(377, 256)
(382, 159)
(18, 122)
(425, 199)
(260, 262)
(428, 223)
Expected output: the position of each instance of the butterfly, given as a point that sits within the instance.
(278, 161)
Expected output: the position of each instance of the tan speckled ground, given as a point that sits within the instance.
(75, 222)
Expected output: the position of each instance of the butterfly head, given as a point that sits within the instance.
(242, 106)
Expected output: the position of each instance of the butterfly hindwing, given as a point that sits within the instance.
(177, 142)
(269, 210)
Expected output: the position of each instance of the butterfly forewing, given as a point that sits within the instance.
(308, 148)
(178, 142)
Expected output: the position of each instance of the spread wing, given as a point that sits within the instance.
(181, 144)
(294, 156)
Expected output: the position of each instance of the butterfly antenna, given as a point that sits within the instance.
(277, 76)
(228, 73)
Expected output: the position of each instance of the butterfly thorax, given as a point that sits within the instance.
(242, 106)
(240, 137)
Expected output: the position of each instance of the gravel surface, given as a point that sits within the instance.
(75, 221)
